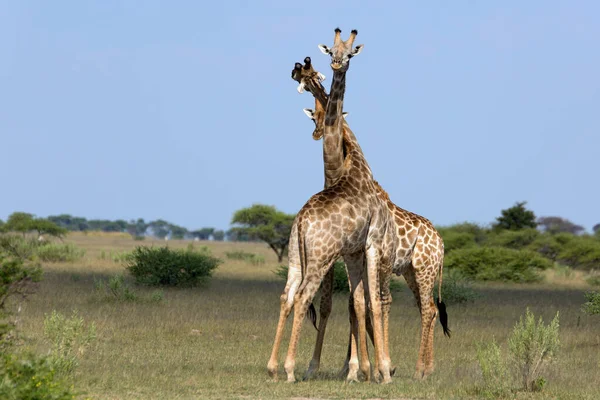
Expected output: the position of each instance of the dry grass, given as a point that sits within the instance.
(215, 341)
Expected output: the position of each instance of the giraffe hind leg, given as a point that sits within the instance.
(324, 312)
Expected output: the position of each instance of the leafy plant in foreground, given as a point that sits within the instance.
(493, 370)
(26, 376)
(532, 346)
(69, 338)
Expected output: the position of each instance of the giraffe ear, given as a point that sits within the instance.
(320, 76)
(357, 50)
(324, 49)
(344, 114)
(309, 112)
(300, 87)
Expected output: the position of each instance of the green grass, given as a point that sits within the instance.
(215, 341)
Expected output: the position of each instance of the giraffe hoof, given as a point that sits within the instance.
(419, 375)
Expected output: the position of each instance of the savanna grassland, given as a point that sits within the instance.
(214, 341)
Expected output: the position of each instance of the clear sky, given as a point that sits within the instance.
(185, 110)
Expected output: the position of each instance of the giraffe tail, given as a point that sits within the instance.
(312, 312)
(441, 306)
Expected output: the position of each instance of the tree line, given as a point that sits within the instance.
(139, 228)
(259, 222)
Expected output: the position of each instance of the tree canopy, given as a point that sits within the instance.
(24, 222)
(559, 225)
(516, 217)
(265, 223)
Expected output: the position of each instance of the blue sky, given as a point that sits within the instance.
(186, 111)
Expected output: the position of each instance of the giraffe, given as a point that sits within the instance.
(306, 75)
(346, 219)
(419, 254)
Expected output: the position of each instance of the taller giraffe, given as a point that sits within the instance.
(419, 255)
(310, 79)
(348, 219)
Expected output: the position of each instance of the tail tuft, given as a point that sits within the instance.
(312, 315)
(444, 317)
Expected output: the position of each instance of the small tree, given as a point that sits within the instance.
(559, 225)
(24, 222)
(267, 224)
(218, 235)
(203, 233)
(516, 217)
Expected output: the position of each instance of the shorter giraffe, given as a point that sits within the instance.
(419, 255)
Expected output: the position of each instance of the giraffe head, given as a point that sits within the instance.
(306, 75)
(318, 116)
(342, 52)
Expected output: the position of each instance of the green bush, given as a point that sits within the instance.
(532, 347)
(67, 252)
(340, 278)
(162, 266)
(456, 289)
(592, 306)
(512, 239)
(593, 280)
(30, 377)
(582, 252)
(550, 246)
(115, 288)
(19, 246)
(497, 264)
(493, 370)
(462, 235)
(16, 279)
(69, 339)
(254, 259)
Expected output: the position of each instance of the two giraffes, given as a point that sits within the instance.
(354, 218)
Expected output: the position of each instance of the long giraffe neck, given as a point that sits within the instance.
(333, 146)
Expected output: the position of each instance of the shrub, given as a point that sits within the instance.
(462, 235)
(16, 280)
(69, 338)
(532, 346)
(550, 246)
(18, 246)
(340, 278)
(456, 289)
(30, 377)
(51, 252)
(593, 280)
(497, 264)
(163, 266)
(493, 370)
(513, 239)
(592, 306)
(254, 259)
(115, 289)
(582, 252)
(563, 271)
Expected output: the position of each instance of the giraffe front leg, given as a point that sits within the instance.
(285, 309)
(355, 267)
(373, 261)
(301, 302)
(324, 312)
